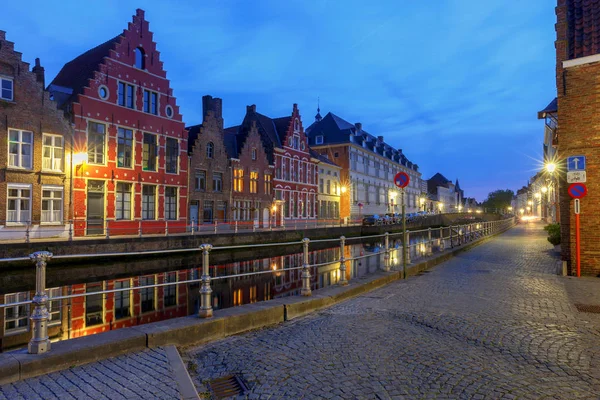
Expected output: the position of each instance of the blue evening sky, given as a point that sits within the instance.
(456, 84)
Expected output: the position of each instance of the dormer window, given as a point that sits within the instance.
(6, 89)
(140, 61)
(319, 139)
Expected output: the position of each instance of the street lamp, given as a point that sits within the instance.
(550, 167)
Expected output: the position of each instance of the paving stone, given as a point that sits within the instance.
(493, 322)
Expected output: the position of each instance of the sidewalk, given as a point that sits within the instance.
(493, 322)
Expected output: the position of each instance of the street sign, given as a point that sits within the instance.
(577, 206)
(577, 190)
(576, 163)
(576, 177)
(401, 179)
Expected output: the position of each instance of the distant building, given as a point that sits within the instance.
(447, 195)
(368, 166)
(35, 184)
(550, 210)
(330, 189)
(130, 171)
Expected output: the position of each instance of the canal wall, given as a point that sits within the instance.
(158, 243)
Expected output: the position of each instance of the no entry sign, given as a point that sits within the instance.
(401, 179)
(577, 190)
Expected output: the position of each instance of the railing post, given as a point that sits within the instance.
(408, 247)
(451, 237)
(236, 227)
(215, 226)
(106, 229)
(386, 255)
(206, 310)
(40, 343)
(27, 233)
(343, 281)
(140, 228)
(305, 270)
(71, 231)
(166, 228)
(429, 244)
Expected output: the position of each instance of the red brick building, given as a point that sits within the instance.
(577, 81)
(210, 174)
(130, 172)
(35, 152)
(252, 177)
(295, 180)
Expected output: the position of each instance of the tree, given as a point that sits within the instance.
(499, 199)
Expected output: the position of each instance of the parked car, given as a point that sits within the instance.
(372, 220)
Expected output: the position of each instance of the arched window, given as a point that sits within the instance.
(296, 125)
(210, 147)
(140, 61)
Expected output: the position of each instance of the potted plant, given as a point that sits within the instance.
(553, 235)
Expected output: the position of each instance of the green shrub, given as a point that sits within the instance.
(553, 233)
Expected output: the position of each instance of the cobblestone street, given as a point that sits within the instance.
(495, 322)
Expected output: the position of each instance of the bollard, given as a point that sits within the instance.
(386, 255)
(40, 343)
(206, 310)
(343, 281)
(106, 229)
(236, 227)
(305, 271)
(215, 226)
(140, 228)
(27, 233)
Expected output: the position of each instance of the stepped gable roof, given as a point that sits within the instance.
(282, 125)
(232, 144)
(583, 26)
(76, 73)
(193, 132)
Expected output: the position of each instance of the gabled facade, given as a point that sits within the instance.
(368, 167)
(209, 172)
(295, 179)
(35, 155)
(130, 170)
(252, 177)
(330, 190)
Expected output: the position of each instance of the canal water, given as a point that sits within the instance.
(92, 313)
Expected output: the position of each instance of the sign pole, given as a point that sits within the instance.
(404, 244)
(577, 238)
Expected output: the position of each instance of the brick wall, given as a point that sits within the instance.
(31, 110)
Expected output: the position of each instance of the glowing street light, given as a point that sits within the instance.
(550, 167)
(544, 189)
(344, 189)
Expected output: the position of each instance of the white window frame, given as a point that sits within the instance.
(18, 186)
(319, 139)
(54, 306)
(56, 164)
(15, 298)
(51, 210)
(12, 89)
(18, 162)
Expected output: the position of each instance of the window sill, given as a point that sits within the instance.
(19, 169)
(8, 224)
(8, 101)
(52, 223)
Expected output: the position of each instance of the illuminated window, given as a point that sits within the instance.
(253, 182)
(238, 180)
(267, 184)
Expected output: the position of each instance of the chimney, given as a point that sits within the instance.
(251, 109)
(358, 126)
(380, 139)
(215, 106)
(38, 70)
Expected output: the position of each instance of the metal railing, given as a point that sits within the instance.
(82, 229)
(423, 247)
